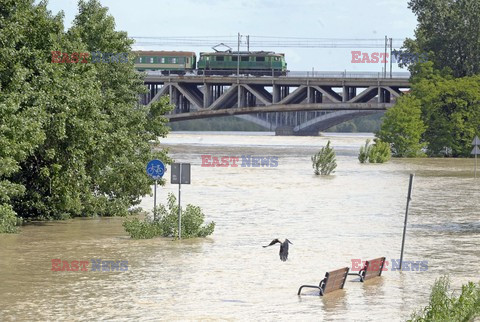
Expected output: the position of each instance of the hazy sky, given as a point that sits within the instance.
(344, 19)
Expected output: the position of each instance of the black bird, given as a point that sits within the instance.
(283, 248)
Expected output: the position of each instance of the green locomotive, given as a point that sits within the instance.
(257, 63)
(175, 62)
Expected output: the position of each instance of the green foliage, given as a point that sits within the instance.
(74, 138)
(166, 223)
(451, 111)
(448, 32)
(324, 161)
(447, 85)
(364, 152)
(26, 32)
(143, 229)
(8, 220)
(403, 128)
(379, 152)
(446, 307)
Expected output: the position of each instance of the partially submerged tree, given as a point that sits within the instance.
(450, 110)
(403, 128)
(364, 152)
(74, 138)
(324, 162)
(379, 152)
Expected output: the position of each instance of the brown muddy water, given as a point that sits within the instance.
(357, 213)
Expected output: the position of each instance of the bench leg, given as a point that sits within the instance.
(311, 286)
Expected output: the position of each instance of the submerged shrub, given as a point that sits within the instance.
(379, 152)
(324, 161)
(446, 307)
(166, 223)
(364, 152)
(8, 220)
(142, 229)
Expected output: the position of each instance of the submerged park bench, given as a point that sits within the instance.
(371, 269)
(334, 280)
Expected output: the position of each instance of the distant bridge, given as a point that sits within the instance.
(300, 103)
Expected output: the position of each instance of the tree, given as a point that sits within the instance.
(403, 128)
(27, 31)
(74, 138)
(448, 32)
(324, 162)
(451, 112)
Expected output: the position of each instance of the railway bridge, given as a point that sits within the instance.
(297, 104)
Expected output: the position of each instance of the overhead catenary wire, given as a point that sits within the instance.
(264, 42)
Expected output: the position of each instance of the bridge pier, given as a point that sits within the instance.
(284, 131)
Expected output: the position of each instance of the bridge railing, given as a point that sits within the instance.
(346, 74)
(312, 74)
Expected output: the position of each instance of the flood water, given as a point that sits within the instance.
(356, 213)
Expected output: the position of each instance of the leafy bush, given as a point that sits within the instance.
(446, 307)
(166, 223)
(324, 161)
(379, 152)
(138, 229)
(8, 220)
(364, 152)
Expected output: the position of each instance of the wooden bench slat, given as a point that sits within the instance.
(335, 279)
(340, 271)
(373, 268)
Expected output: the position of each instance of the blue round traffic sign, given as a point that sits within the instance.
(155, 169)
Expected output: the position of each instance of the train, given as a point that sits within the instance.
(224, 63)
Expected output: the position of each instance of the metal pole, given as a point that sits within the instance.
(385, 59)
(179, 209)
(248, 43)
(410, 186)
(155, 201)
(238, 56)
(475, 165)
(391, 47)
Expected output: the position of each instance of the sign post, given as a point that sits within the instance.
(180, 174)
(476, 151)
(155, 170)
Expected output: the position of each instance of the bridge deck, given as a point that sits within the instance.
(283, 81)
(304, 103)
